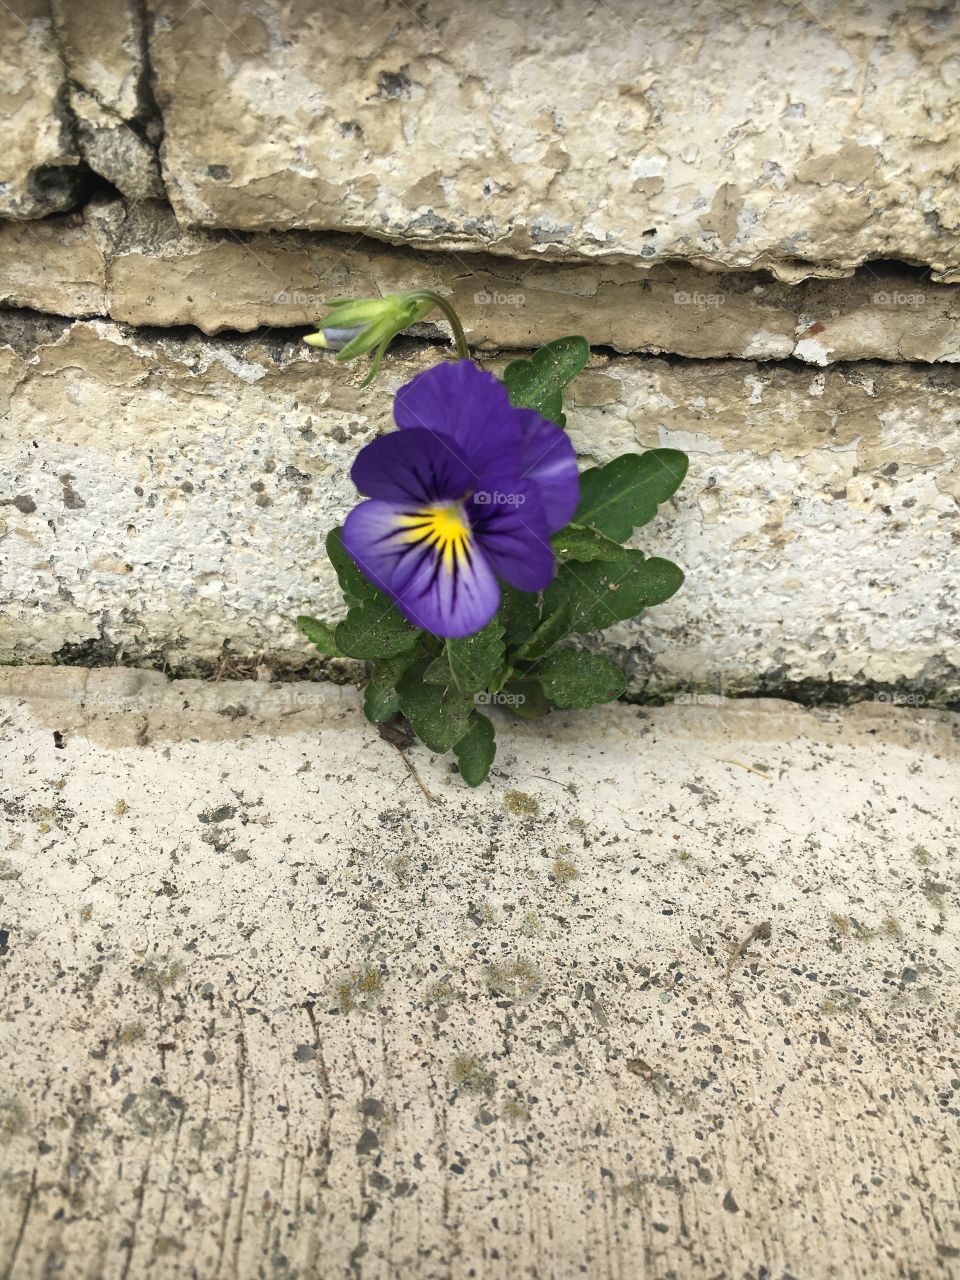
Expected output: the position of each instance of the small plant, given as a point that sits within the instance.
(479, 550)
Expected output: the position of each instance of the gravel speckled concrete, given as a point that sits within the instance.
(167, 501)
(802, 138)
(674, 996)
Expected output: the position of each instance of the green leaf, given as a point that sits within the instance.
(519, 614)
(600, 593)
(574, 678)
(538, 383)
(525, 698)
(320, 634)
(580, 542)
(375, 630)
(501, 677)
(553, 629)
(381, 702)
(439, 717)
(438, 672)
(618, 498)
(476, 750)
(475, 660)
(356, 589)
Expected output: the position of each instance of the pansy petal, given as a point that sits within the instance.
(418, 466)
(446, 586)
(550, 462)
(467, 404)
(452, 605)
(511, 527)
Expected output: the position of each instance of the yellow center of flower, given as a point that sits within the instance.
(444, 529)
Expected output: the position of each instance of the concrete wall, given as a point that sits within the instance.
(749, 213)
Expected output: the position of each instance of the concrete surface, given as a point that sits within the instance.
(674, 996)
(133, 263)
(804, 138)
(167, 501)
(39, 160)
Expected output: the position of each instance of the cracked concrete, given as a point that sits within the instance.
(133, 263)
(773, 136)
(675, 994)
(168, 501)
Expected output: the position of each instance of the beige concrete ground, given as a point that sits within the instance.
(674, 996)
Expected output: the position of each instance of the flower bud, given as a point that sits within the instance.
(333, 339)
(357, 327)
(351, 328)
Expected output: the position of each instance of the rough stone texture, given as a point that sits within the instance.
(56, 266)
(103, 45)
(38, 156)
(136, 265)
(167, 500)
(731, 136)
(270, 1012)
(115, 151)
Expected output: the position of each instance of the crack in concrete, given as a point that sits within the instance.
(425, 337)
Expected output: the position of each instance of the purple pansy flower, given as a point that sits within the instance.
(468, 491)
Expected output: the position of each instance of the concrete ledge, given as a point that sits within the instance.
(135, 264)
(675, 994)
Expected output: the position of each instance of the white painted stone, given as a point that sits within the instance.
(168, 501)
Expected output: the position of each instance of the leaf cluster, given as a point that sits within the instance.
(526, 658)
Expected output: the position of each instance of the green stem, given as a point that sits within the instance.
(459, 337)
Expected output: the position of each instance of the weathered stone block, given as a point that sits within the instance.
(38, 154)
(730, 136)
(104, 44)
(168, 501)
(104, 48)
(116, 151)
(134, 263)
